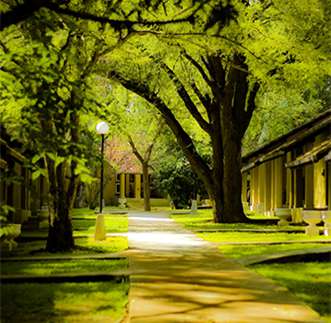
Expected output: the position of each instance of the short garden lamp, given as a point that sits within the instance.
(100, 234)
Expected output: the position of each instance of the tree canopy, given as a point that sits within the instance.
(207, 66)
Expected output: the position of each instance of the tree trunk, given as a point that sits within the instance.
(217, 171)
(60, 233)
(232, 179)
(147, 189)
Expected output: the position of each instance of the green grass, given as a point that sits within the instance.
(69, 302)
(64, 302)
(203, 220)
(157, 204)
(310, 282)
(109, 245)
(257, 237)
(83, 221)
(62, 267)
(88, 245)
(84, 246)
(241, 252)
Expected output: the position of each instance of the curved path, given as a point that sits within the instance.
(177, 277)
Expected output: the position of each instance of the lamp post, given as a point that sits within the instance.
(100, 234)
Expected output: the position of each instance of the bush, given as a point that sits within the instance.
(175, 178)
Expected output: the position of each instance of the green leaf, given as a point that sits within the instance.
(36, 158)
(39, 172)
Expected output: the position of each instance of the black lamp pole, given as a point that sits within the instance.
(101, 173)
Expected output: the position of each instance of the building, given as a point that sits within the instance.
(123, 174)
(23, 196)
(14, 184)
(293, 171)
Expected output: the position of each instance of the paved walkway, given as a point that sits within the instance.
(177, 277)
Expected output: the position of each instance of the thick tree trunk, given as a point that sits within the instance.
(147, 189)
(217, 171)
(233, 117)
(60, 234)
(232, 180)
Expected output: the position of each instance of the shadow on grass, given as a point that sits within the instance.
(76, 302)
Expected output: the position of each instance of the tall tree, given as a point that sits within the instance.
(218, 83)
(141, 127)
(229, 111)
(53, 79)
(144, 158)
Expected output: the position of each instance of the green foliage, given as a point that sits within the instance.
(176, 179)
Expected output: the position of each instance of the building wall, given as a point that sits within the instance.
(272, 185)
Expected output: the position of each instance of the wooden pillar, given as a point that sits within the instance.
(262, 188)
(278, 183)
(289, 183)
(244, 187)
(309, 186)
(273, 185)
(320, 184)
(328, 168)
(137, 186)
(17, 195)
(295, 188)
(254, 187)
(268, 183)
(122, 186)
(127, 185)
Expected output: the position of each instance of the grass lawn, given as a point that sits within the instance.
(64, 302)
(228, 237)
(310, 282)
(83, 221)
(240, 252)
(157, 204)
(62, 266)
(84, 246)
(203, 220)
(84, 227)
(69, 302)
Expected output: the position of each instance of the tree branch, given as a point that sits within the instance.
(183, 139)
(198, 66)
(135, 150)
(25, 10)
(157, 134)
(204, 99)
(250, 106)
(191, 107)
